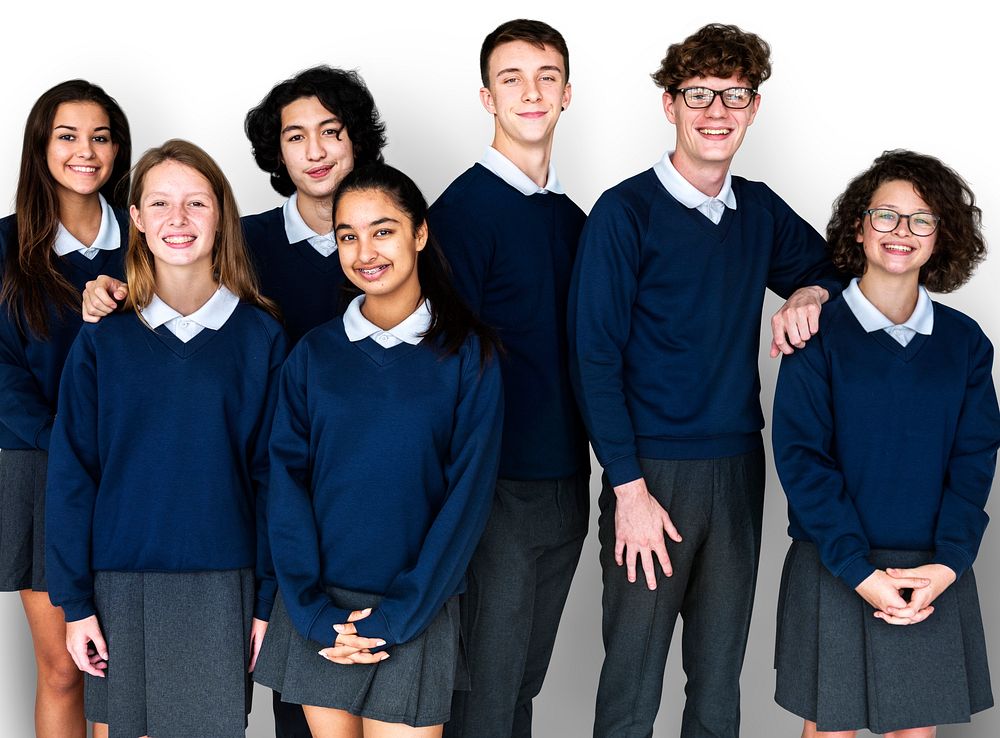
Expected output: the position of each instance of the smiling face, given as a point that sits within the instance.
(708, 138)
(527, 92)
(80, 154)
(315, 147)
(898, 253)
(179, 214)
(378, 246)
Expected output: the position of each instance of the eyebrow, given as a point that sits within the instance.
(146, 195)
(300, 127)
(546, 68)
(73, 128)
(379, 221)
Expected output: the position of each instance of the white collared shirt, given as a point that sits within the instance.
(109, 236)
(872, 319)
(507, 170)
(296, 229)
(410, 331)
(213, 314)
(690, 196)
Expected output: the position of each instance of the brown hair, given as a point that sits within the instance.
(716, 50)
(959, 246)
(533, 32)
(32, 282)
(230, 261)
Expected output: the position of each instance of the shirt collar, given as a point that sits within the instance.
(872, 319)
(686, 193)
(507, 170)
(213, 314)
(109, 235)
(295, 227)
(410, 331)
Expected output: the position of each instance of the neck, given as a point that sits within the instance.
(707, 177)
(317, 212)
(388, 311)
(184, 288)
(895, 298)
(80, 215)
(533, 160)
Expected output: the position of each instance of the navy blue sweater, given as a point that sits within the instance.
(159, 454)
(304, 284)
(512, 256)
(665, 313)
(881, 446)
(29, 367)
(383, 463)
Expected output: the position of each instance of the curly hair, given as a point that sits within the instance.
(534, 32)
(716, 50)
(342, 92)
(959, 246)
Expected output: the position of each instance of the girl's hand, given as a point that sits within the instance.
(349, 647)
(919, 608)
(86, 645)
(257, 631)
(881, 591)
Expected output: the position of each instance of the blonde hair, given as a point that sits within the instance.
(230, 262)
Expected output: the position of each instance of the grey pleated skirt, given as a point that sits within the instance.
(22, 520)
(178, 653)
(413, 686)
(844, 669)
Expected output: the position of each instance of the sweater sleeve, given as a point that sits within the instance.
(799, 257)
(415, 595)
(291, 522)
(259, 474)
(23, 408)
(74, 475)
(602, 292)
(468, 249)
(961, 518)
(803, 440)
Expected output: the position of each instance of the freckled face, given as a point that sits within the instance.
(179, 214)
(80, 153)
(315, 147)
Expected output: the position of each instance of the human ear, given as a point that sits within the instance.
(133, 212)
(486, 98)
(421, 236)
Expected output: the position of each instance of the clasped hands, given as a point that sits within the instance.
(883, 591)
(349, 647)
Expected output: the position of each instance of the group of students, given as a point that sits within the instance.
(341, 446)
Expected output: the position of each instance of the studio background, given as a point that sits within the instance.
(851, 79)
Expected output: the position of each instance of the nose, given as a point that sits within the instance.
(85, 148)
(315, 151)
(177, 215)
(366, 250)
(899, 229)
(531, 91)
(716, 109)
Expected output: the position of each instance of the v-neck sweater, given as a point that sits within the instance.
(665, 317)
(881, 446)
(383, 465)
(159, 454)
(30, 367)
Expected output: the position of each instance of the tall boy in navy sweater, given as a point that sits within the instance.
(664, 322)
(510, 235)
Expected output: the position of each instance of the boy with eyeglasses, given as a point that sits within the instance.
(664, 318)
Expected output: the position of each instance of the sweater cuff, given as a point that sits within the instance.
(43, 435)
(856, 572)
(376, 626)
(623, 470)
(321, 629)
(954, 558)
(78, 609)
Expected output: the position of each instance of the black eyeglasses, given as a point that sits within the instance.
(885, 220)
(735, 98)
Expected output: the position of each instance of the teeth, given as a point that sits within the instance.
(898, 247)
(85, 170)
(178, 239)
(714, 131)
(372, 270)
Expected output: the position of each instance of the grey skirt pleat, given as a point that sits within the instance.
(844, 669)
(413, 686)
(22, 520)
(178, 653)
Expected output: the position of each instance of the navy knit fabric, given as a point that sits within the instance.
(159, 454)
(30, 368)
(881, 446)
(665, 313)
(512, 256)
(383, 463)
(304, 284)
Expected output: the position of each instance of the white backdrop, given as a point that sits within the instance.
(850, 80)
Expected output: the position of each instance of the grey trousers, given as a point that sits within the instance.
(518, 581)
(717, 506)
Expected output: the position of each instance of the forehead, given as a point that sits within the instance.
(80, 112)
(304, 109)
(899, 193)
(716, 83)
(172, 176)
(358, 208)
(525, 57)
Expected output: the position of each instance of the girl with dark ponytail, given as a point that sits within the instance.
(384, 454)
